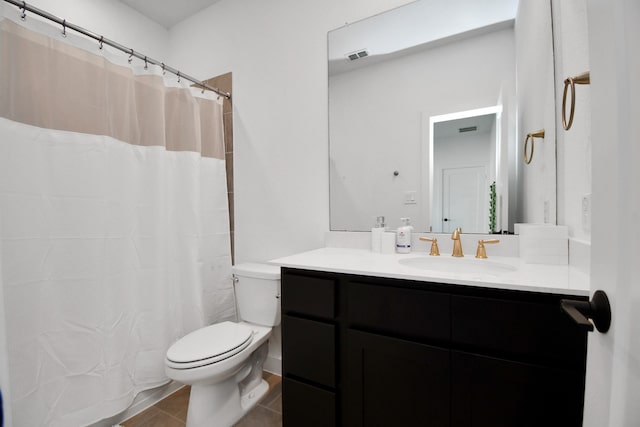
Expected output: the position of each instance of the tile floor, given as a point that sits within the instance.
(172, 410)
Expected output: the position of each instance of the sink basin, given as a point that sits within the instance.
(458, 265)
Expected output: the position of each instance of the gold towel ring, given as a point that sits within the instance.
(581, 79)
(530, 136)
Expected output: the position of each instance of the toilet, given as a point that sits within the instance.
(223, 362)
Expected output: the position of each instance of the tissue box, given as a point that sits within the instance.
(544, 244)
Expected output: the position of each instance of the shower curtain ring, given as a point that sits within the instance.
(146, 66)
(163, 70)
(23, 15)
(178, 76)
(100, 42)
(130, 56)
(64, 28)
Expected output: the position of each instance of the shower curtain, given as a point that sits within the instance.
(114, 225)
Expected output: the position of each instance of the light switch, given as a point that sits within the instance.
(410, 197)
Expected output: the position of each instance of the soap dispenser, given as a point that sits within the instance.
(403, 236)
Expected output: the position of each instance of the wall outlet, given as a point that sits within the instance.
(586, 212)
(410, 197)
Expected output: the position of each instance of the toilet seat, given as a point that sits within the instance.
(209, 345)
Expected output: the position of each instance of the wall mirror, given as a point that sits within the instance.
(400, 84)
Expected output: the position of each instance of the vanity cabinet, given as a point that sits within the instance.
(309, 324)
(367, 351)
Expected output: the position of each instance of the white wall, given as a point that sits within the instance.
(536, 110)
(113, 20)
(376, 123)
(571, 51)
(277, 51)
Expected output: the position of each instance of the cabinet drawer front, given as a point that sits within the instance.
(534, 331)
(309, 350)
(305, 405)
(312, 296)
(401, 312)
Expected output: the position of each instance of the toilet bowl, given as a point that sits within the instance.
(223, 362)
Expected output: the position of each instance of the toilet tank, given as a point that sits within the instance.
(257, 288)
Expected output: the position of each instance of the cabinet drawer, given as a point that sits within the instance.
(305, 405)
(311, 296)
(531, 330)
(309, 350)
(401, 312)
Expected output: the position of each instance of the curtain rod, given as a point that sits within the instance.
(103, 40)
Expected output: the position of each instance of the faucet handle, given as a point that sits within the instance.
(481, 251)
(456, 234)
(434, 246)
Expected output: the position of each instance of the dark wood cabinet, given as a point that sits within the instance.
(394, 382)
(307, 405)
(309, 341)
(363, 351)
(491, 392)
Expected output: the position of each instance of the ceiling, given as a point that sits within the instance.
(169, 12)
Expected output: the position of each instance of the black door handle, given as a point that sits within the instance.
(598, 310)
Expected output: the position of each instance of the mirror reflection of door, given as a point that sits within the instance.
(464, 159)
(464, 199)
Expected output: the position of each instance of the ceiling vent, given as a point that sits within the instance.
(468, 129)
(357, 54)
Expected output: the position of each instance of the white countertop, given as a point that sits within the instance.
(556, 279)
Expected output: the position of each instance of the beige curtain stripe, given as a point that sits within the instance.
(51, 84)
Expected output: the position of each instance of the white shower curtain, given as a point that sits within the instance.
(114, 225)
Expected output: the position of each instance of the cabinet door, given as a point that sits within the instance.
(489, 392)
(306, 405)
(392, 382)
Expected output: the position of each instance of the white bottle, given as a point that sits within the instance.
(403, 236)
(376, 234)
(388, 242)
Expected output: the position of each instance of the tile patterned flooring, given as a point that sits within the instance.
(172, 410)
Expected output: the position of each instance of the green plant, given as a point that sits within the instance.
(492, 207)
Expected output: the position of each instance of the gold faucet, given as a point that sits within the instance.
(481, 252)
(434, 246)
(457, 245)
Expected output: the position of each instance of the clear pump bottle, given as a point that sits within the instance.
(403, 236)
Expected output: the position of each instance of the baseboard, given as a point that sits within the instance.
(273, 365)
(142, 401)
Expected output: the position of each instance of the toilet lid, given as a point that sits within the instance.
(209, 345)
